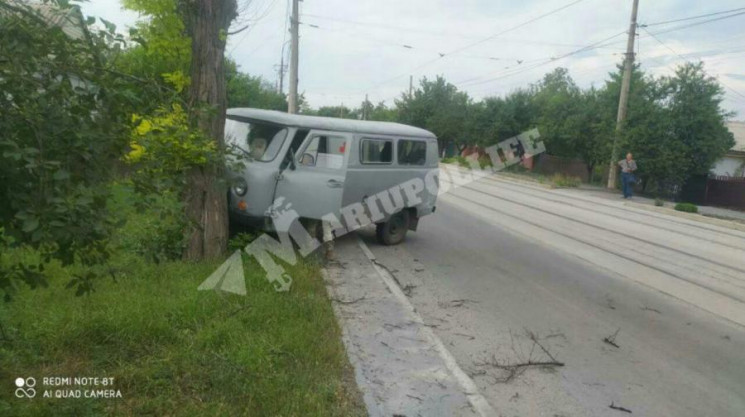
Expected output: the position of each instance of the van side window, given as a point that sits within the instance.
(324, 152)
(297, 140)
(412, 152)
(376, 151)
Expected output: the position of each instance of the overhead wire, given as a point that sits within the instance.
(695, 17)
(470, 45)
(739, 94)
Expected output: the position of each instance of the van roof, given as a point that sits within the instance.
(330, 123)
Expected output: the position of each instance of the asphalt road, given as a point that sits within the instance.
(508, 274)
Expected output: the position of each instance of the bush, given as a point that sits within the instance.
(686, 207)
(658, 202)
(153, 228)
(457, 160)
(241, 240)
(565, 181)
(485, 162)
(63, 123)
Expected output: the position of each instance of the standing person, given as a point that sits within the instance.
(628, 166)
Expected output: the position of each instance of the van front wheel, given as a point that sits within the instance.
(394, 230)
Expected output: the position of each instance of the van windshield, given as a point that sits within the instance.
(259, 141)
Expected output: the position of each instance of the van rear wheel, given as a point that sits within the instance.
(394, 230)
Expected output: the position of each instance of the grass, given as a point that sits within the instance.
(686, 207)
(565, 181)
(176, 351)
(457, 160)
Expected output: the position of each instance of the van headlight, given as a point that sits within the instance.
(240, 187)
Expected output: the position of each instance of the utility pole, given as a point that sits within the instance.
(623, 100)
(364, 109)
(282, 74)
(411, 85)
(294, 29)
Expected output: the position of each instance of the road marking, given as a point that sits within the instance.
(478, 402)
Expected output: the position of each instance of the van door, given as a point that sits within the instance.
(316, 184)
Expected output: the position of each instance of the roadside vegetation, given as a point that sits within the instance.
(565, 181)
(98, 266)
(686, 207)
(173, 350)
(669, 145)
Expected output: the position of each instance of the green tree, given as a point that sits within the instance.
(499, 118)
(557, 102)
(696, 116)
(244, 90)
(163, 47)
(383, 113)
(439, 107)
(341, 111)
(207, 23)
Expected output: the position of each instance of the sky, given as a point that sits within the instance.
(350, 49)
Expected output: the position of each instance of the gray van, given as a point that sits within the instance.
(322, 165)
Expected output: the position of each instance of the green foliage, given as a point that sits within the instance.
(244, 90)
(341, 112)
(175, 351)
(64, 125)
(437, 106)
(163, 47)
(565, 181)
(498, 118)
(675, 125)
(241, 240)
(696, 117)
(164, 148)
(152, 226)
(457, 160)
(686, 207)
(658, 202)
(20, 263)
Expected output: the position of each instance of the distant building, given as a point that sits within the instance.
(733, 163)
(69, 19)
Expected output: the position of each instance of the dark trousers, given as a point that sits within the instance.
(627, 180)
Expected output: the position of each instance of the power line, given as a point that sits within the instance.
(440, 34)
(686, 26)
(463, 48)
(676, 28)
(586, 48)
(257, 21)
(694, 17)
(681, 56)
(409, 46)
(535, 19)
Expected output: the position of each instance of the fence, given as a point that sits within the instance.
(725, 192)
(549, 165)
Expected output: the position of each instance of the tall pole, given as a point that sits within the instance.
(623, 100)
(294, 28)
(411, 85)
(282, 74)
(364, 109)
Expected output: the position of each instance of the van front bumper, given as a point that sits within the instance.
(255, 222)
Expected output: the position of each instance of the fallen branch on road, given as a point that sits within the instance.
(615, 407)
(515, 369)
(340, 301)
(611, 340)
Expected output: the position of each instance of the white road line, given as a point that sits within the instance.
(470, 389)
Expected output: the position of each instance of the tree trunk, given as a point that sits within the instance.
(207, 23)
